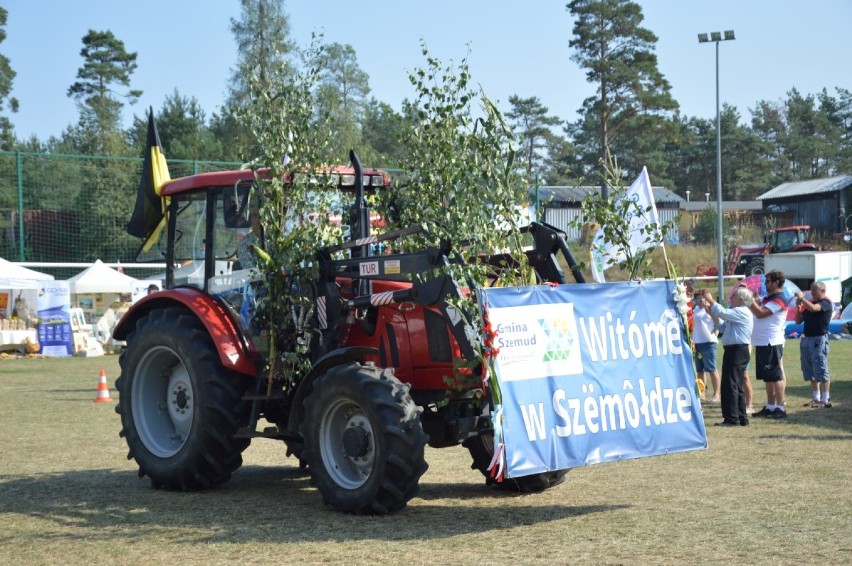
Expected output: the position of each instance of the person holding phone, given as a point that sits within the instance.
(815, 313)
(704, 342)
(736, 324)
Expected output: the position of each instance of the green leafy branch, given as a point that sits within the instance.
(295, 203)
(463, 183)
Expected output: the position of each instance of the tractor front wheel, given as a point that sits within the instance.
(481, 449)
(364, 444)
(179, 406)
(756, 267)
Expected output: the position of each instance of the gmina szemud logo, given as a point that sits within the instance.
(560, 339)
(536, 341)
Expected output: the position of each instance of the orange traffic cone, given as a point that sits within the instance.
(103, 389)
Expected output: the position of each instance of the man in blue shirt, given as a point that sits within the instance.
(736, 324)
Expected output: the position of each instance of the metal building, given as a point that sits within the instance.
(824, 204)
(561, 207)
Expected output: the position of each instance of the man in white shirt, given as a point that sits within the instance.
(770, 317)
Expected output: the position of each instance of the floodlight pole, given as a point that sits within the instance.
(716, 37)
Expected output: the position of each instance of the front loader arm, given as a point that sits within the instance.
(428, 287)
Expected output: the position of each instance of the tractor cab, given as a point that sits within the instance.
(213, 222)
(214, 217)
(209, 216)
(789, 239)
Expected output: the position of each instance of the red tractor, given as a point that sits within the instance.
(748, 259)
(193, 391)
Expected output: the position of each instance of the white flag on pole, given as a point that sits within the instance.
(640, 216)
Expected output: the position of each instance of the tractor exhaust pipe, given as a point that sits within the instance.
(359, 215)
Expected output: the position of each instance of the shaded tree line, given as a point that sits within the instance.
(632, 115)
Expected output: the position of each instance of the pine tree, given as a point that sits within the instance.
(7, 76)
(182, 125)
(382, 129)
(342, 98)
(531, 123)
(102, 82)
(633, 98)
(265, 49)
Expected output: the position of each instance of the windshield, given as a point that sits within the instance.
(786, 240)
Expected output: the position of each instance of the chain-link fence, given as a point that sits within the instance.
(73, 208)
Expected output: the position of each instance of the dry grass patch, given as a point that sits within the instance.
(773, 492)
(684, 257)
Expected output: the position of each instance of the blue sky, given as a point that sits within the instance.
(515, 48)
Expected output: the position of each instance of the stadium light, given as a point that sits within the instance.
(716, 37)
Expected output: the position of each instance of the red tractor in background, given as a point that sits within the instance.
(194, 389)
(748, 259)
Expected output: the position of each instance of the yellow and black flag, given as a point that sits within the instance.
(150, 210)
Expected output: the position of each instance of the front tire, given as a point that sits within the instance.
(756, 267)
(481, 449)
(364, 444)
(179, 406)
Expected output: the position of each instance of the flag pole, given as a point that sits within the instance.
(668, 265)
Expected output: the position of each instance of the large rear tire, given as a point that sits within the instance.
(179, 406)
(481, 449)
(364, 443)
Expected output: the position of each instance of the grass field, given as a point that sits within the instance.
(776, 492)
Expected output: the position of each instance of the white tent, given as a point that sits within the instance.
(19, 291)
(14, 276)
(101, 278)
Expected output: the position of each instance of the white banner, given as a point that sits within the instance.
(642, 215)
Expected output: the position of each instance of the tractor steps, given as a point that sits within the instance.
(277, 396)
(268, 432)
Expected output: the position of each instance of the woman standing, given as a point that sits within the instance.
(704, 341)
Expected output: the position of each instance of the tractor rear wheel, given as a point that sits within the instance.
(364, 444)
(179, 406)
(481, 449)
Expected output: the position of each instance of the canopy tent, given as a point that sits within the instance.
(100, 278)
(19, 292)
(14, 276)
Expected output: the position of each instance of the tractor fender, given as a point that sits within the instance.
(222, 329)
(336, 357)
